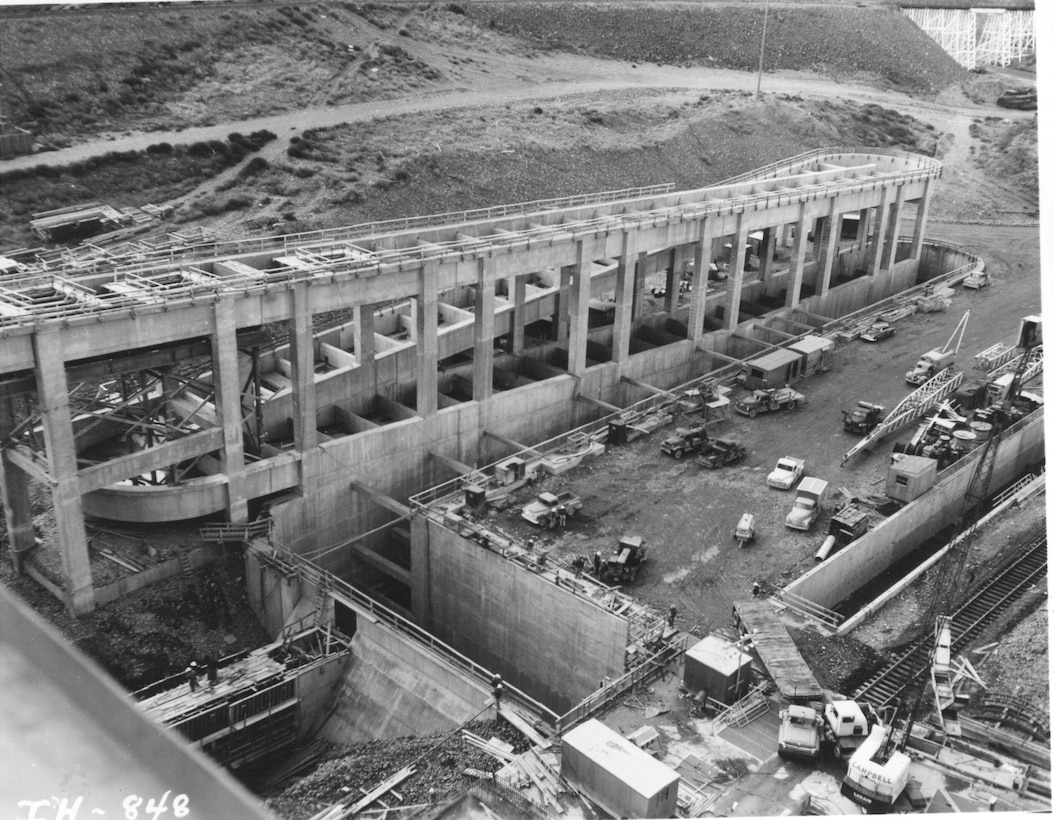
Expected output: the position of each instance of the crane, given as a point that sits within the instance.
(878, 771)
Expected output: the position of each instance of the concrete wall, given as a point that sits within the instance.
(391, 688)
(487, 607)
(837, 578)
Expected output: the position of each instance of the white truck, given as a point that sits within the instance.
(930, 365)
(808, 504)
(846, 726)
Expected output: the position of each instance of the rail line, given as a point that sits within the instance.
(998, 592)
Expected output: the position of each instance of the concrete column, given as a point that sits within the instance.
(302, 359)
(561, 317)
(736, 269)
(863, 227)
(874, 252)
(625, 275)
(578, 309)
(53, 396)
(922, 213)
(786, 239)
(797, 262)
(889, 251)
(639, 280)
(673, 281)
(519, 319)
(768, 253)
(14, 493)
(483, 352)
(226, 383)
(697, 312)
(363, 340)
(427, 326)
(829, 247)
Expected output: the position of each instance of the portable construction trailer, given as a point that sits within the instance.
(719, 668)
(776, 369)
(624, 780)
(817, 354)
(909, 477)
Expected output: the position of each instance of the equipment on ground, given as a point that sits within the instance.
(552, 509)
(720, 452)
(847, 525)
(624, 565)
(686, 440)
(763, 401)
(846, 725)
(799, 733)
(808, 504)
(976, 279)
(786, 473)
(873, 783)
(878, 331)
(863, 418)
(1023, 98)
(744, 532)
(940, 358)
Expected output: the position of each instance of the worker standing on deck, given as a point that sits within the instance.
(756, 590)
(596, 563)
(192, 676)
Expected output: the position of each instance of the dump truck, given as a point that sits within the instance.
(763, 401)
(808, 504)
(800, 733)
(545, 510)
(863, 418)
(624, 565)
(720, 452)
(686, 440)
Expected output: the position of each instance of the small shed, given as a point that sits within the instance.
(776, 369)
(817, 354)
(909, 477)
(624, 780)
(718, 667)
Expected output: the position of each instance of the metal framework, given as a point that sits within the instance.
(976, 37)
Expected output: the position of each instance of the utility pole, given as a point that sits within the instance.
(761, 56)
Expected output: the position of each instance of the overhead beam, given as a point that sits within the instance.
(152, 458)
(382, 500)
(23, 457)
(603, 405)
(647, 387)
(453, 464)
(515, 445)
(378, 561)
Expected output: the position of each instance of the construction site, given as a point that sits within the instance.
(648, 502)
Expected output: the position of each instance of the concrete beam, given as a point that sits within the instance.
(451, 463)
(647, 387)
(153, 458)
(28, 461)
(14, 492)
(382, 500)
(515, 445)
(378, 561)
(603, 405)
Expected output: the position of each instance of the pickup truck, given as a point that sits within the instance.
(762, 401)
(863, 418)
(799, 733)
(685, 440)
(545, 509)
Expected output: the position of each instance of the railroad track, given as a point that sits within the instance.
(998, 592)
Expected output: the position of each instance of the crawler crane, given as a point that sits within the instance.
(878, 771)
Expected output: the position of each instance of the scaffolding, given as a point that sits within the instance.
(976, 37)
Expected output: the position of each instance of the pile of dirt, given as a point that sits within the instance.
(439, 760)
(840, 662)
(840, 41)
(1020, 664)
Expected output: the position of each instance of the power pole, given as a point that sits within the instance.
(761, 56)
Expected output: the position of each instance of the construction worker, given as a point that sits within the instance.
(671, 616)
(192, 676)
(211, 671)
(499, 690)
(579, 564)
(561, 515)
(756, 590)
(596, 563)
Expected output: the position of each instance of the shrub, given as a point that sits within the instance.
(456, 8)
(255, 166)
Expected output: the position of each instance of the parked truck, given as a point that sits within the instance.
(808, 504)
(763, 401)
(940, 358)
(846, 725)
(720, 452)
(624, 565)
(863, 418)
(800, 733)
(685, 441)
(551, 509)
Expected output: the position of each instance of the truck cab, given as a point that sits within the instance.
(929, 366)
(808, 504)
(799, 733)
(845, 726)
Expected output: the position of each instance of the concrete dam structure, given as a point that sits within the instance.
(461, 333)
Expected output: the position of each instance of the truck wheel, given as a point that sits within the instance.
(678, 454)
(791, 405)
(752, 412)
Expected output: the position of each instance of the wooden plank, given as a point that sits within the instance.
(524, 727)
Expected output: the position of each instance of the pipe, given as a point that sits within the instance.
(825, 550)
